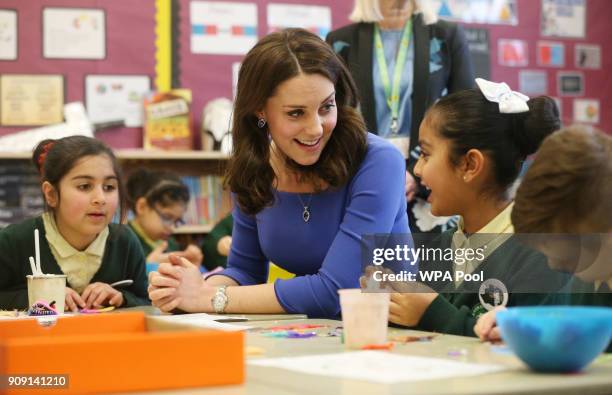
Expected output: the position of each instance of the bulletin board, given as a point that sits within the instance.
(130, 49)
(597, 83)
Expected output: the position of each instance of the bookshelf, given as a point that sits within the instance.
(184, 163)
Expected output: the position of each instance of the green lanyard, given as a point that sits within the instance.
(393, 93)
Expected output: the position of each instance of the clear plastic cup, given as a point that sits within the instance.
(47, 288)
(365, 317)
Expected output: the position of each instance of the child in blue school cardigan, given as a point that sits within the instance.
(82, 191)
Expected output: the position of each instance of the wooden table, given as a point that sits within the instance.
(596, 379)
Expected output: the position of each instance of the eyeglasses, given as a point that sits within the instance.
(168, 220)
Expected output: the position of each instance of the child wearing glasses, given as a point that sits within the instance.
(158, 200)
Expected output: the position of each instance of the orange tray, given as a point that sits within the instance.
(116, 353)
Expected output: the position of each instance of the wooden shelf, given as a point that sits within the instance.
(140, 154)
(193, 229)
(15, 155)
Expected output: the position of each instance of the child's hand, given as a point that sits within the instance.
(410, 187)
(486, 326)
(408, 308)
(73, 301)
(100, 294)
(158, 255)
(223, 245)
(192, 253)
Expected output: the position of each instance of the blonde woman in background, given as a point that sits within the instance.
(403, 59)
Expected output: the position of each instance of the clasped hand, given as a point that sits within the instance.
(180, 285)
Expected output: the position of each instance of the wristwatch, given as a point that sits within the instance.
(219, 301)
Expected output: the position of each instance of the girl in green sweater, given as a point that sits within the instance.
(158, 200)
(473, 144)
(82, 191)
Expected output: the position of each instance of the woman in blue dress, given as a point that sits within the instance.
(308, 182)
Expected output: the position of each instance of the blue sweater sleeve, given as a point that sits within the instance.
(246, 263)
(376, 204)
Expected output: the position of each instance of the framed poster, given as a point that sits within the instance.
(29, 100)
(223, 28)
(587, 56)
(551, 54)
(586, 110)
(116, 98)
(570, 83)
(8, 34)
(533, 82)
(316, 19)
(513, 53)
(564, 18)
(74, 33)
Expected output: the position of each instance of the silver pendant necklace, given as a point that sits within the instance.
(306, 212)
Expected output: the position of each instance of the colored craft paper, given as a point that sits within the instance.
(223, 27)
(316, 19)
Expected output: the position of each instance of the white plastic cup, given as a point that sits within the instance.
(47, 288)
(365, 317)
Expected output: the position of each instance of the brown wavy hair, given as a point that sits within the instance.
(276, 58)
(568, 188)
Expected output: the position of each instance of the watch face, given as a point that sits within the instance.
(219, 301)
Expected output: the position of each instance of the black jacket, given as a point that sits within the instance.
(354, 44)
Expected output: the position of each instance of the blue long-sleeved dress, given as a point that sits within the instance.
(324, 253)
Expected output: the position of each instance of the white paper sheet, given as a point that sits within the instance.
(586, 110)
(8, 35)
(316, 19)
(223, 27)
(588, 56)
(203, 320)
(116, 97)
(74, 33)
(564, 18)
(378, 366)
(503, 12)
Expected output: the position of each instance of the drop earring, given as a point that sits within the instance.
(261, 122)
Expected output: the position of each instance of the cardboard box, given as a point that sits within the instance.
(118, 352)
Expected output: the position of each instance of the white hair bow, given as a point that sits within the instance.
(510, 102)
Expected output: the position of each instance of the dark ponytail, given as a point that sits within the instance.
(55, 158)
(470, 121)
(157, 187)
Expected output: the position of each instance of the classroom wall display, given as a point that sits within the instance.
(504, 12)
(551, 54)
(587, 56)
(480, 51)
(74, 33)
(533, 82)
(111, 98)
(130, 49)
(316, 19)
(223, 28)
(31, 100)
(570, 83)
(513, 53)
(586, 110)
(564, 18)
(8, 34)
